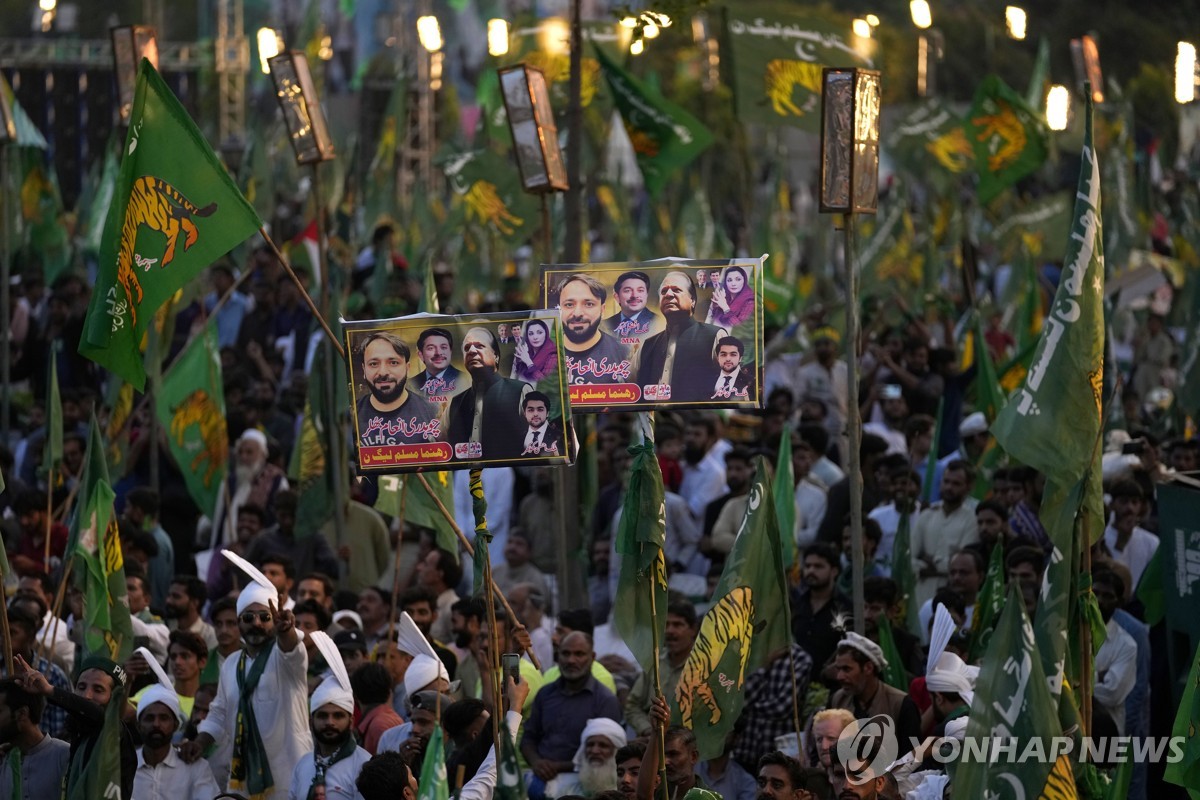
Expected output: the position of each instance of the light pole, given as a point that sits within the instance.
(8, 133)
(849, 185)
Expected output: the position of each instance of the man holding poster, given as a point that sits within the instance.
(390, 414)
(687, 343)
(592, 355)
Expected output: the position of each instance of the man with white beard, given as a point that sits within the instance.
(595, 761)
(253, 481)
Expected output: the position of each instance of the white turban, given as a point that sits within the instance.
(952, 676)
(600, 726)
(331, 692)
(256, 593)
(157, 693)
(256, 436)
(865, 646)
(423, 671)
(957, 728)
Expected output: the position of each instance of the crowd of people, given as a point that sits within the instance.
(314, 667)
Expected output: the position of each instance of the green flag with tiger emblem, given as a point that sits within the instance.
(1010, 139)
(641, 602)
(749, 619)
(175, 211)
(191, 409)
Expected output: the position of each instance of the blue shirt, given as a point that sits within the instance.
(229, 318)
(558, 718)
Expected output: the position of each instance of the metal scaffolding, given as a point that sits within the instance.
(232, 52)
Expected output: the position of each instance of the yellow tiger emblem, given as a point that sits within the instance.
(782, 76)
(730, 620)
(485, 205)
(1004, 124)
(200, 409)
(157, 205)
(952, 150)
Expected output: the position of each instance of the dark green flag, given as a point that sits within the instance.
(489, 196)
(1010, 139)
(665, 137)
(433, 784)
(778, 51)
(749, 619)
(641, 601)
(785, 499)
(319, 454)
(930, 140)
(176, 210)
(191, 410)
(988, 604)
(98, 776)
(894, 673)
(403, 496)
(1038, 230)
(1012, 701)
(1053, 422)
(1186, 771)
(904, 576)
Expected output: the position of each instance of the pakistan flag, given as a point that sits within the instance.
(191, 409)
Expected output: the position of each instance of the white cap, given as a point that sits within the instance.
(973, 424)
(256, 436)
(157, 693)
(423, 671)
(957, 728)
(865, 646)
(600, 726)
(346, 613)
(331, 692)
(256, 593)
(951, 675)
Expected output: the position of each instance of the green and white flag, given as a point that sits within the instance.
(1052, 423)
(1010, 139)
(665, 137)
(988, 604)
(433, 784)
(191, 410)
(750, 618)
(1186, 771)
(641, 601)
(1013, 705)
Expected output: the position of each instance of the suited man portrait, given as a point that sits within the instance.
(682, 355)
(634, 319)
(733, 382)
(542, 435)
(490, 411)
(440, 378)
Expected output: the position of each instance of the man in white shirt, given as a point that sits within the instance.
(703, 467)
(335, 762)
(808, 444)
(943, 529)
(161, 773)
(267, 686)
(894, 409)
(1116, 660)
(1129, 544)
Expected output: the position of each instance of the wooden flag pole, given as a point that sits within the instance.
(312, 306)
(471, 552)
(853, 429)
(479, 509)
(8, 651)
(396, 564)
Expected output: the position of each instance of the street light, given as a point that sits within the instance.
(861, 28)
(301, 108)
(130, 44)
(430, 33)
(637, 48)
(1014, 20)
(872, 20)
(1058, 107)
(497, 37)
(534, 132)
(922, 16)
(268, 47)
(1185, 72)
(1085, 57)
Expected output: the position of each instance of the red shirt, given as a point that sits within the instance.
(35, 549)
(372, 725)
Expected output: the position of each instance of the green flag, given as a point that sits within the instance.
(778, 52)
(1009, 138)
(988, 604)
(785, 499)
(1035, 232)
(894, 674)
(929, 141)
(1150, 590)
(1186, 771)
(98, 776)
(509, 785)
(101, 201)
(489, 196)
(433, 784)
(641, 601)
(99, 566)
(932, 458)
(319, 454)
(1012, 702)
(380, 190)
(1035, 95)
(1053, 422)
(665, 137)
(176, 211)
(403, 496)
(190, 405)
(42, 212)
(749, 619)
(989, 397)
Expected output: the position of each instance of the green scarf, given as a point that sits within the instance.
(317, 790)
(95, 768)
(250, 769)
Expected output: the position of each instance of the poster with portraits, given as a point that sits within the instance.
(673, 332)
(433, 392)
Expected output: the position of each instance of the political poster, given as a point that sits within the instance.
(673, 332)
(437, 392)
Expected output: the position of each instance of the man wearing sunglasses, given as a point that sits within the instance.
(261, 707)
